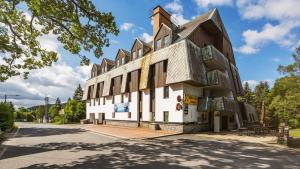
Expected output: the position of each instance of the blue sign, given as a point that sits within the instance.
(122, 107)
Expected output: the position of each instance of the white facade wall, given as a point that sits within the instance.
(161, 104)
(168, 104)
(192, 115)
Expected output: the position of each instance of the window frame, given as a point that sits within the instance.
(166, 120)
(169, 40)
(156, 44)
(139, 53)
(166, 92)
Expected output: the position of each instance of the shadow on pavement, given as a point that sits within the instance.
(177, 153)
(40, 132)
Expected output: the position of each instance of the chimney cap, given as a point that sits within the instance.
(161, 8)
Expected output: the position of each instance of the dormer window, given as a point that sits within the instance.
(140, 53)
(167, 40)
(158, 44)
(123, 60)
(133, 55)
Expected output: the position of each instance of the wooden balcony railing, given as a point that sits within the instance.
(218, 79)
(213, 58)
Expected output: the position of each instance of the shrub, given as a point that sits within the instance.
(6, 116)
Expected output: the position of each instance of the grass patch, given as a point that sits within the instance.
(295, 133)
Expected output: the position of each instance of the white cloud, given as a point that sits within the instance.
(146, 37)
(270, 9)
(207, 3)
(59, 80)
(285, 12)
(126, 26)
(176, 10)
(280, 34)
(252, 83)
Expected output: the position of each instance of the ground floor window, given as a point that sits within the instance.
(129, 97)
(166, 116)
(203, 117)
(122, 98)
(113, 115)
(129, 115)
(166, 92)
(231, 119)
(152, 116)
(103, 100)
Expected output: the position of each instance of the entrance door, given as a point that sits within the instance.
(224, 122)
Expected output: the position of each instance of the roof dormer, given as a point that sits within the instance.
(163, 37)
(106, 65)
(122, 57)
(95, 70)
(139, 49)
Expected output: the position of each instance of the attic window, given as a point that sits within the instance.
(158, 44)
(167, 40)
(123, 61)
(140, 53)
(133, 55)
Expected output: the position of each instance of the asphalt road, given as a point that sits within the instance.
(51, 146)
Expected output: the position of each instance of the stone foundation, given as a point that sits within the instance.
(122, 123)
(179, 127)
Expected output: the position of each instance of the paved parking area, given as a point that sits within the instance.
(127, 132)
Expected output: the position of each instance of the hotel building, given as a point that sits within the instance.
(185, 79)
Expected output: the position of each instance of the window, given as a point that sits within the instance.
(129, 115)
(98, 101)
(166, 92)
(123, 60)
(113, 115)
(94, 102)
(140, 53)
(166, 116)
(152, 116)
(165, 66)
(103, 70)
(167, 40)
(113, 99)
(103, 100)
(158, 44)
(122, 98)
(133, 55)
(129, 97)
(231, 119)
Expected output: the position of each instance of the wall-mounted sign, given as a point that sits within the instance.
(122, 107)
(190, 99)
(179, 98)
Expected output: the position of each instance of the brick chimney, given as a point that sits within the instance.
(159, 16)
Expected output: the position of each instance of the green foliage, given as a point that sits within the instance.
(74, 110)
(294, 68)
(78, 93)
(248, 96)
(6, 116)
(53, 111)
(58, 104)
(40, 112)
(24, 114)
(77, 24)
(286, 99)
(60, 119)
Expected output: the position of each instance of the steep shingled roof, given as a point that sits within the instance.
(186, 29)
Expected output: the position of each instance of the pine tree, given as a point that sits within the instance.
(58, 103)
(248, 94)
(78, 94)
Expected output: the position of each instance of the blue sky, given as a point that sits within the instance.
(263, 33)
(254, 66)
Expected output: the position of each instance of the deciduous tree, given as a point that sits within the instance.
(77, 24)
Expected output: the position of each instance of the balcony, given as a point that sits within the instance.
(204, 104)
(224, 104)
(213, 58)
(217, 79)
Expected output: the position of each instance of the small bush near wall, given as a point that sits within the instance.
(6, 116)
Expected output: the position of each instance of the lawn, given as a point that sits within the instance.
(295, 133)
